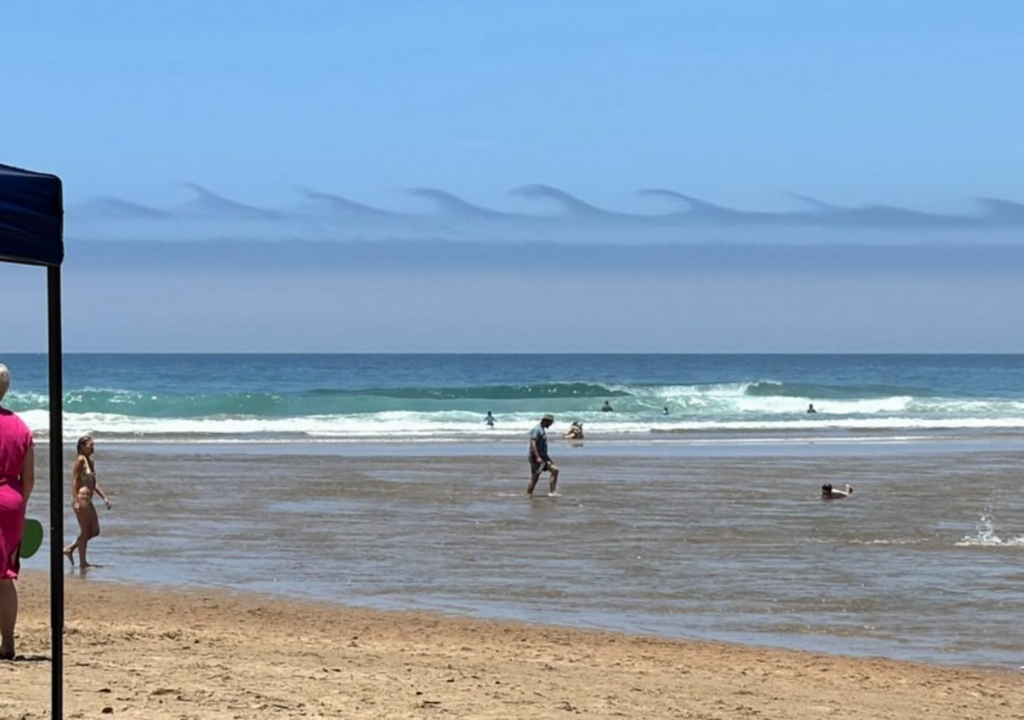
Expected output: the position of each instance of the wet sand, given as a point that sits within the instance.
(133, 652)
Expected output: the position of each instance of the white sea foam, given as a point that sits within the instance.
(990, 541)
(796, 405)
(404, 424)
(985, 536)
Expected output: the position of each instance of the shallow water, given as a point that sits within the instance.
(693, 541)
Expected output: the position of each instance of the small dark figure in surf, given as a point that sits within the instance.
(810, 409)
(489, 419)
(665, 412)
(607, 407)
(830, 493)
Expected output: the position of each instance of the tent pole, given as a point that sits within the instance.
(56, 357)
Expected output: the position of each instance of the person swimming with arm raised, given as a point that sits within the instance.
(830, 493)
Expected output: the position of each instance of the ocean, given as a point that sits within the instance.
(435, 398)
(373, 480)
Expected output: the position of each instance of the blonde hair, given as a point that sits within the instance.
(5, 380)
(82, 442)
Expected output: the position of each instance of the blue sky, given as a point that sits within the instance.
(913, 104)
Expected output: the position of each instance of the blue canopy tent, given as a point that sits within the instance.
(32, 233)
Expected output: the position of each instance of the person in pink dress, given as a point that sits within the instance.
(17, 478)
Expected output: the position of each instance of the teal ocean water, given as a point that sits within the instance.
(268, 398)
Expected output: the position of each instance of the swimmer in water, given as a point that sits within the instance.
(830, 493)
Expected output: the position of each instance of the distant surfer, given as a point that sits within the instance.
(830, 493)
(607, 407)
(575, 431)
(489, 420)
(540, 461)
(810, 409)
(665, 411)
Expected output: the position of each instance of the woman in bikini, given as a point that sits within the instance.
(83, 487)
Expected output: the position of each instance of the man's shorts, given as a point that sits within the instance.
(536, 468)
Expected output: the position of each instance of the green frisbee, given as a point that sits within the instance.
(31, 538)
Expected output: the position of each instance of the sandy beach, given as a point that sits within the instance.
(136, 652)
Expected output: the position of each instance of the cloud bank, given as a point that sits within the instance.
(553, 215)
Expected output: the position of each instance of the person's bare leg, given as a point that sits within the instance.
(533, 483)
(69, 551)
(553, 482)
(90, 529)
(83, 548)
(8, 618)
(83, 545)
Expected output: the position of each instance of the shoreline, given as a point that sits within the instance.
(507, 445)
(161, 654)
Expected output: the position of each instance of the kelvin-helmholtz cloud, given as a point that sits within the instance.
(551, 215)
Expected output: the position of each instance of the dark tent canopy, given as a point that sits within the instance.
(31, 217)
(32, 232)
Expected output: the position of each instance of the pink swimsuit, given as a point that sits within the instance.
(15, 440)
